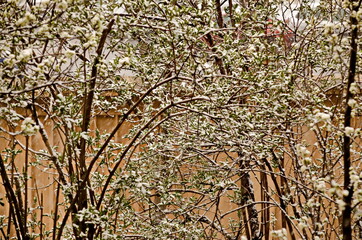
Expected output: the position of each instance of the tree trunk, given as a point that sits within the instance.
(247, 191)
(347, 199)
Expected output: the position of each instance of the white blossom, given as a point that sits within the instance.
(27, 19)
(44, 2)
(320, 185)
(84, 135)
(341, 204)
(324, 117)
(352, 103)
(354, 88)
(61, 97)
(354, 178)
(28, 127)
(69, 53)
(62, 5)
(23, 104)
(349, 131)
(329, 28)
(303, 222)
(345, 192)
(302, 151)
(125, 60)
(280, 234)
(25, 54)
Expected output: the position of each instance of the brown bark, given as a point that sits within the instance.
(18, 212)
(347, 211)
(247, 191)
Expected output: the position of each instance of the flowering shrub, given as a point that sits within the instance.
(180, 119)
